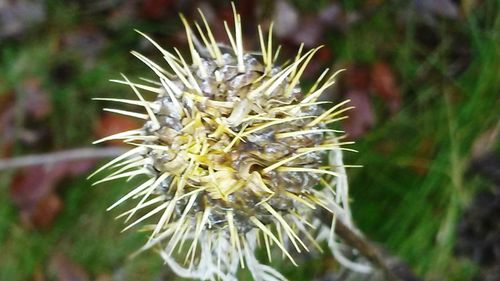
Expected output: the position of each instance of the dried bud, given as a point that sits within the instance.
(233, 152)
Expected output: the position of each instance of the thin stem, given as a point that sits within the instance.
(60, 156)
(370, 252)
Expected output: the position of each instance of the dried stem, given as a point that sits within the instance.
(60, 156)
(373, 253)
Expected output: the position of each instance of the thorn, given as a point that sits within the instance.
(152, 116)
(127, 113)
(268, 232)
(213, 43)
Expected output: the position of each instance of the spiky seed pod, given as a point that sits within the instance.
(235, 155)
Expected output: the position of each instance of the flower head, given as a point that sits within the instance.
(235, 155)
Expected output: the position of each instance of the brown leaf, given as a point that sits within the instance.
(384, 84)
(66, 269)
(362, 118)
(33, 191)
(29, 185)
(45, 211)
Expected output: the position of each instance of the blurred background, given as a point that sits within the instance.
(423, 75)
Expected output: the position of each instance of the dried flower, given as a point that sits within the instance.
(235, 155)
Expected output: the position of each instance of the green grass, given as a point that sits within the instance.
(415, 214)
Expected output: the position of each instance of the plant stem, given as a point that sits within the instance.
(372, 253)
(60, 156)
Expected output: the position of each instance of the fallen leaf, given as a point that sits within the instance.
(110, 124)
(383, 83)
(45, 211)
(66, 269)
(28, 190)
(33, 191)
(362, 118)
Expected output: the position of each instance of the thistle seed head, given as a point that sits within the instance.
(233, 150)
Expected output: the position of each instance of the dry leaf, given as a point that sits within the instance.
(383, 83)
(33, 191)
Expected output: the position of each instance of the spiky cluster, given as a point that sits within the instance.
(233, 150)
